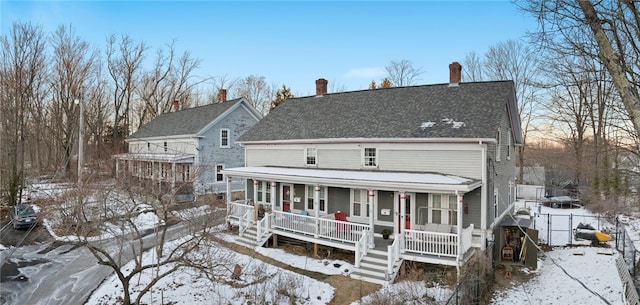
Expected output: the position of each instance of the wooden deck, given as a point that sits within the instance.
(417, 245)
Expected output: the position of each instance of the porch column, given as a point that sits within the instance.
(316, 206)
(459, 232)
(255, 199)
(273, 196)
(117, 168)
(173, 176)
(228, 199)
(403, 212)
(370, 195)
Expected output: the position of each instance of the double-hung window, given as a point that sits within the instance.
(370, 157)
(444, 209)
(311, 156)
(224, 137)
(264, 192)
(219, 175)
(323, 197)
(359, 203)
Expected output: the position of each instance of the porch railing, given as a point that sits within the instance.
(245, 222)
(341, 230)
(394, 254)
(362, 245)
(436, 243)
(237, 209)
(302, 224)
(466, 239)
(263, 227)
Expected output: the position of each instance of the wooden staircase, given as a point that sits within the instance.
(373, 268)
(248, 238)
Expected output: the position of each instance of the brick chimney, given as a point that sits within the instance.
(222, 95)
(176, 105)
(455, 72)
(321, 86)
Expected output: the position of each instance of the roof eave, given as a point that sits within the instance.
(350, 183)
(372, 140)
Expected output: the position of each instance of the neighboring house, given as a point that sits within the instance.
(185, 151)
(433, 165)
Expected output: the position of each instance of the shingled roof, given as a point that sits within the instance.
(466, 110)
(184, 122)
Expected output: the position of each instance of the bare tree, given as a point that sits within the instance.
(124, 63)
(473, 67)
(115, 212)
(217, 84)
(72, 67)
(608, 31)
(516, 61)
(257, 92)
(402, 73)
(169, 80)
(22, 75)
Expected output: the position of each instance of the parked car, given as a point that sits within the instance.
(23, 216)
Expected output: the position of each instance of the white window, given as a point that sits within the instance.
(224, 137)
(186, 172)
(163, 170)
(498, 144)
(149, 169)
(311, 156)
(219, 175)
(359, 203)
(370, 157)
(264, 192)
(148, 146)
(323, 198)
(165, 146)
(443, 209)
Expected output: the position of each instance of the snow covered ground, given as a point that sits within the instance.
(565, 275)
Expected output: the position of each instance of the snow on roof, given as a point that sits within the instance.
(357, 175)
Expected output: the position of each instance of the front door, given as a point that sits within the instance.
(286, 198)
(408, 197)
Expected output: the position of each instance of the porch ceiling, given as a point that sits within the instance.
(410, 182)
(173, 158)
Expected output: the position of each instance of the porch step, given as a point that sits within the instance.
(373, 268)
(248, 238)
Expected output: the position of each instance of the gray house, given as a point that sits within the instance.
(186, 150)
(432, 165)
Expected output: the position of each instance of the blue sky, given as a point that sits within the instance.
(292, 42)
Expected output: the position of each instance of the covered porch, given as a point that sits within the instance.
(172, 172)
(426, 242)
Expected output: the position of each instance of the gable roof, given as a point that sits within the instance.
(469, 110)
(190, 121)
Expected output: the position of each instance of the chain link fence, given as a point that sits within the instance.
(625, 245)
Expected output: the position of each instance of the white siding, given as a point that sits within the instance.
(339, 158)
(275, 157)
(464, 163)
(454, 159)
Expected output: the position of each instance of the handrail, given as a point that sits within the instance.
(361, 247)
(263, 225)
(245, 222)
(394, 254)
(466, 237)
